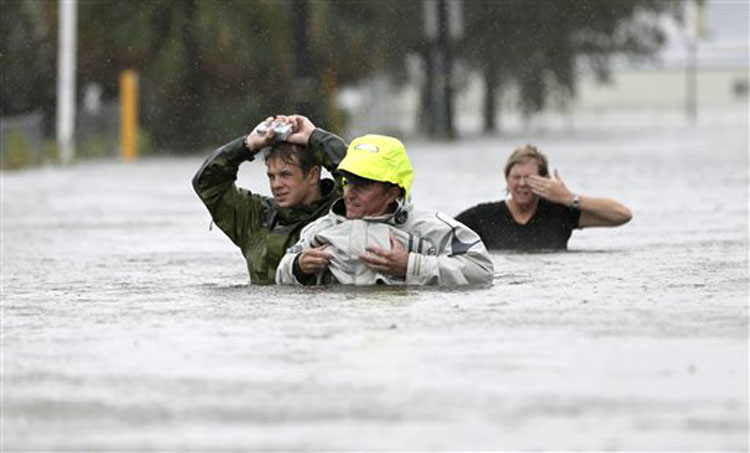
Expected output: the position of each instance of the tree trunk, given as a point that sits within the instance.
(425, 121)
(490, 106)
(305, 84)
(437, 105)
(191, 108)
(445, 65)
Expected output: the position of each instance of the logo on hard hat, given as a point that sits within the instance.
(367, 147)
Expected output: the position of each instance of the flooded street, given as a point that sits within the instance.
(128, 325)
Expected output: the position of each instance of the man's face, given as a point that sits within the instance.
(289, 186)
(368, 198)
(517, 181)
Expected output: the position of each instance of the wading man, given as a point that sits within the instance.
(264, 227)
(373, 235)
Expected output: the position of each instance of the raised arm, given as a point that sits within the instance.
(595, 211)
(234, 210)
(329, 149)
(602, 212)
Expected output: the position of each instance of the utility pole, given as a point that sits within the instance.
(491, 77)
(304, 83)
(442, 20)
(66, 78)
(694, 31)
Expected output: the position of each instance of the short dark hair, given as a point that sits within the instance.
(292, 154)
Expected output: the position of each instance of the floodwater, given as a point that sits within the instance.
(128, 325)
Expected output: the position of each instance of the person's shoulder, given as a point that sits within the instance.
(440, 228)
(319, 224)
(432, 220)
(263, 201)
(481, 208)
(489, 205)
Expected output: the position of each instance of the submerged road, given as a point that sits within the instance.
(128, 325)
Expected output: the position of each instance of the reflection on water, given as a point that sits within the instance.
(128, 325)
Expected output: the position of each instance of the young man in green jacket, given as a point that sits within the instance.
(264, 227)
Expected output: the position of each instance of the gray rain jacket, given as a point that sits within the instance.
(442, 251)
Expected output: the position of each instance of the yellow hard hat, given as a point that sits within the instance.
(379, 158)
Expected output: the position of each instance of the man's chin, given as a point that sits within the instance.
(352, 213)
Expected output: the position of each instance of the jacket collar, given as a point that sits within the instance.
(294, 213)
(397, 217)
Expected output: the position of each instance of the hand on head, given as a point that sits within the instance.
(553, 189)
(256, 142)
(302, 128)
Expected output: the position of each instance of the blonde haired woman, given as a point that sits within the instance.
(540, 211)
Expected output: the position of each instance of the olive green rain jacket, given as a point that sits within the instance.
(255, 223)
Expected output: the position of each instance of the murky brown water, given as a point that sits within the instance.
(127, 325)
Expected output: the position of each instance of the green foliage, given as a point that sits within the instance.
(358, 38)
(17, 151)
(51, 152)
(27, 76)
(98, 146)
(536, 45)
(145, 142)
(210, 69)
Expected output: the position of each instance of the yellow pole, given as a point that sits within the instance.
(329, 85)
(129, 115)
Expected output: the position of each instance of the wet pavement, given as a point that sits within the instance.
(128, 325)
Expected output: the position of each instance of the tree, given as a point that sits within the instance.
(209, 69)
(27, 68)
(352, 41)
(536, 45)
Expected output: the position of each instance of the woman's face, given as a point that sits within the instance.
(517, 182)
